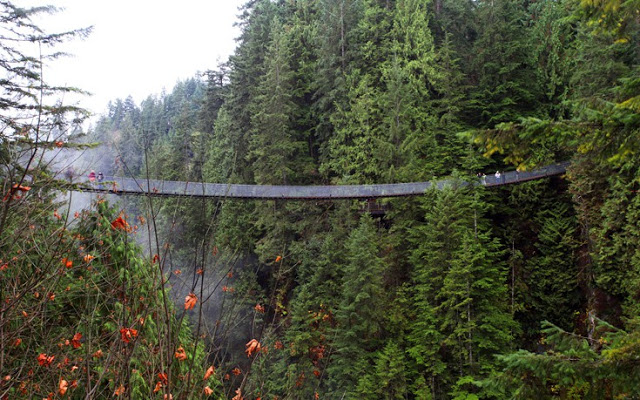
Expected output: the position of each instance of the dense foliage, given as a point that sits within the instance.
(525, 291)
(83, 312)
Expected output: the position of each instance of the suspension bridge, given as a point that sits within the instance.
(162, 188)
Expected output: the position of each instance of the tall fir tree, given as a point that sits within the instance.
(360, 313)
(275, 145)
(459, 284)
(504, 80)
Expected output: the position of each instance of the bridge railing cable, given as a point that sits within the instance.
(156, 187)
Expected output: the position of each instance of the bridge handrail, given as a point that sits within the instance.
(156, 187)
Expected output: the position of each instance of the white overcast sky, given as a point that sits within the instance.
(139, 47)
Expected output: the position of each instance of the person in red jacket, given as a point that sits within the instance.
(92, 176)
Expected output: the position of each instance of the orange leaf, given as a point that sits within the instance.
(119, 391)
(190, 301)
(21, 188)
(17, 342)
(121, 224)
(279, 345)
(127, 334)
(238, 395)
(158, 387)
(259, 308)
(208, 391)
(45, 361)
(180, 354)
(163, 378)
(300, 380)
(210, 371)
(177, 271)
(62, 387)
(236, 371)
(252, 347)
(88, 258)
(279, 258)
(97, 354)
(75, 342)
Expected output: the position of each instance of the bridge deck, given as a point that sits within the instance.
(131, 186)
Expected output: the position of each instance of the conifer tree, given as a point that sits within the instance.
(553, 273)
(32, 114)
(337, 48)
(538, 225)
(387, 380)
(316, 298)
(246, 69)
(303, 36)
(274, 144)
(216, 89)
(459, 288)
(360, 313)
(505, 82)
(553, 45)
(360, 150)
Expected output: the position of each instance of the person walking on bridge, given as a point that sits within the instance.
(100, 179)
(92, 176)
(69, 173)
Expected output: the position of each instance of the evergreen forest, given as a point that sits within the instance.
(523, 291)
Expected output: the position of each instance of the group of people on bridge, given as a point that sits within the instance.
(93, 177)
(500, 177)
